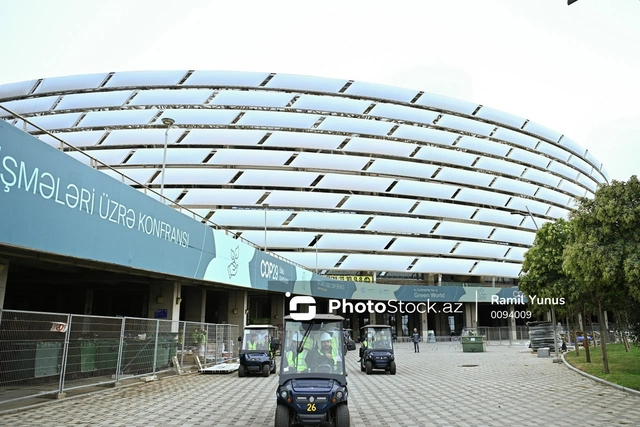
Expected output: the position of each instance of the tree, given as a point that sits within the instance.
(543, 276)
(603, 253)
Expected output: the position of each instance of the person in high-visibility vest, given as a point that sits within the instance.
(252, 344)
(365, 343)
(327, 354)
(297, 360)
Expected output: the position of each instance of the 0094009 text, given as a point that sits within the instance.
(14, 175)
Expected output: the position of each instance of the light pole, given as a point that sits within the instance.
(168, 122)
(265, 206)
(553, 309)
(317, 240)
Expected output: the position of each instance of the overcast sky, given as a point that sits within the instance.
(574, 69)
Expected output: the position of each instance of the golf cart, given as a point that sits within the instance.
(257, 354)
(312, 388)
(376, 351)
(348, 340)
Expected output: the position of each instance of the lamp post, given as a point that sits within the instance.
(265, 206)
(168, 122)
(317, 240)
(553, 309)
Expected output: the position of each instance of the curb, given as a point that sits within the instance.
(600, 380)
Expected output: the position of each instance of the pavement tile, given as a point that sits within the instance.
(436, 387)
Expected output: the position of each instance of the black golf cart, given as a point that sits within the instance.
(312, 388)
(257, 354)
(376, 351)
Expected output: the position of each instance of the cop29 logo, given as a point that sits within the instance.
(299, 300)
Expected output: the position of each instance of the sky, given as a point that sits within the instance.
(574, 69)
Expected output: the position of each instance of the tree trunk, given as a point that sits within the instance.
(603, 339)
(627, 348)
(585, 341)
(575, 337)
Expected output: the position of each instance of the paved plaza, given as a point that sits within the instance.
(440, 386)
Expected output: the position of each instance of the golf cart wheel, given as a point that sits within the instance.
(241, 371)
(392, 367)
(282, 415)
(342, 416)
(369, 367)
(273, 370)
(362, 366)
(265, 370)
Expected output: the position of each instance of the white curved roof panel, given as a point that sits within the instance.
(395, 179)
(401, 225)
(542, 131)
(221, 197)
(402, 168)
(117, 118)
(278, 119)
(355, 183)
(514, 137)
(305, 83)
(373, 90)
(445, 103)
(370, 262)
(245, 157)
(233, 218)
(500, 117)
(96, 100)
(329, 161)
(465, 125)
(355, 126)
(404, 113)
(331, 103)
(485, 146)
(422, 245)
(27, 106)
(223, 136)
(304, 199)
(251, 98)
(372, 204)
(500, 166)
(145, 78)
(70, 83)
(175, 155)
(328, 221)
(447, 156)
(377, 146)
(444, 210)
(514, 186)
(171, 97)
(434, 136)
(225, 78)
(304, 140)
(443, 265)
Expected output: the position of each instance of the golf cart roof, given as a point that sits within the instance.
(260, 327)
(376, 326)
(319, 318)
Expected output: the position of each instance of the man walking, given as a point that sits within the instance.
(415, 338)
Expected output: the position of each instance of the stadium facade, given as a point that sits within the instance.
(365, 182)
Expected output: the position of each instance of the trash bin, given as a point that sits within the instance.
(544, 352)
(48, 358)
(107, 355)
(162, 356)
(88, 351)
(474, 344)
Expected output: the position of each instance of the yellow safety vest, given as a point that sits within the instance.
(299, 362)
(252, 346)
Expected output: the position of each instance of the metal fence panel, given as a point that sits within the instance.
(49, 353)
